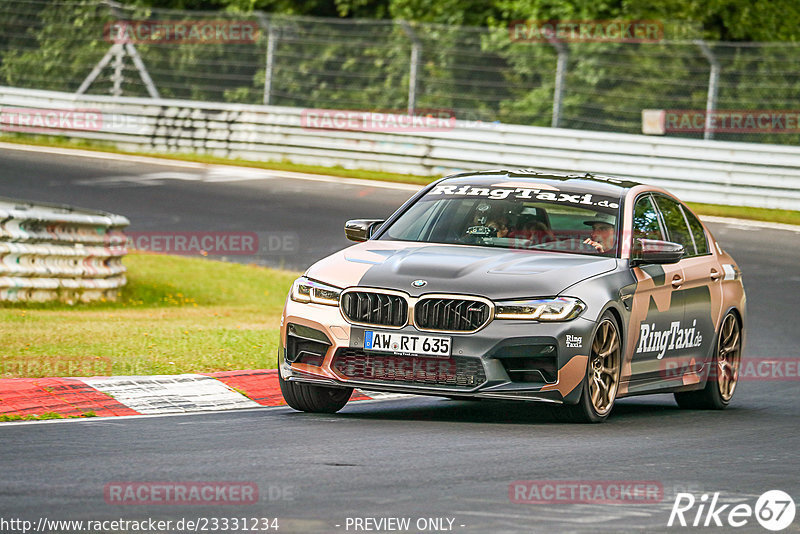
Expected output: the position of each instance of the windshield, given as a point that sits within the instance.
(514, 216)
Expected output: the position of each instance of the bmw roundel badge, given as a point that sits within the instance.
(419, 283)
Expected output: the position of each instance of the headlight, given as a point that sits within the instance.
(550, 309)
(307, 290)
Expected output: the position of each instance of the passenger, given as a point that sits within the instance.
(540, 233)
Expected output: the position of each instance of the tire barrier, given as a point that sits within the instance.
(53, 252)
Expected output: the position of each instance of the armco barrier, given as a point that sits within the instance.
(745, 174)
(51, 252)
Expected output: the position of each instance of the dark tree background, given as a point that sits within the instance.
(727, 20)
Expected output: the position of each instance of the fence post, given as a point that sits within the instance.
(118, 77)
(416, 49)
(713, 84)
(272, 39)
(561, 74)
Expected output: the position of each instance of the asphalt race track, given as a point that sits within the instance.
(409, 457)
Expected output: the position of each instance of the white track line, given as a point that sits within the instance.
(220, 170)
(216, 169)
(746, 223)
(112, 419)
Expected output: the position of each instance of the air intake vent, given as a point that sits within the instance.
(455, 372)
(452, 315)
(379, 309)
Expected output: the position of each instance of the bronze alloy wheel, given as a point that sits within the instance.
(729, 355)
(604, 365)
(723, 373)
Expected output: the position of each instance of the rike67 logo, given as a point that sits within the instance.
(774, 510)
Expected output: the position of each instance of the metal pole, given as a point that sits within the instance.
(561, 73)
(713, 84)
(118, 77)
(112, 52)
(416, 50)
(137, 60)
(272, 39)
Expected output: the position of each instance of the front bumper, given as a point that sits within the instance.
(519, 360)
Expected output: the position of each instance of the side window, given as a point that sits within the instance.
(699, 235)
(645, 220)
(675, 223)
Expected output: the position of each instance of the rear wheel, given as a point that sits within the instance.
(599, 386)
(315, 399)
(724, 373)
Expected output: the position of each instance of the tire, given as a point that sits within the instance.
(601, 382)
(314, 399)
(724, 373)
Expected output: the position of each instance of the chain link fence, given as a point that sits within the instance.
(478, 74)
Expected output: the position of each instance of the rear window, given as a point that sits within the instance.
(699, 235)
(676, 225)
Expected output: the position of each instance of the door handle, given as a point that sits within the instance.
(715, 275)
(677, 281)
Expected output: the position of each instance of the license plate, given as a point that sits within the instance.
(407, 344)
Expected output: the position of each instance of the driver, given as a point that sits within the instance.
(499, 226)
(603, 234)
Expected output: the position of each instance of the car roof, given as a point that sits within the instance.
(578, 182)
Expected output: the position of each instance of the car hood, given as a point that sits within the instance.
(490, 272)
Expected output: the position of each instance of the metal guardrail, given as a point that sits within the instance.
(52, 252)
(718, 172)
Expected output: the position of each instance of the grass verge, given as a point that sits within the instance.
(739, 212)
(176, 315)
(5, 418)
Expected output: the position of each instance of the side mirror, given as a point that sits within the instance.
(656, 251)
(361, 229)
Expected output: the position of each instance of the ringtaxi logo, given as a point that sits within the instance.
(774, 510)
(676, 337)
(528, 193)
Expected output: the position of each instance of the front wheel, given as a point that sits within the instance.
(314, 399)
(724, 373)
(599, 386)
